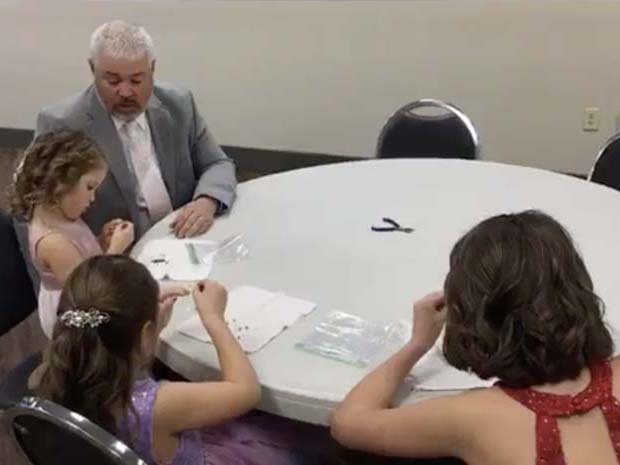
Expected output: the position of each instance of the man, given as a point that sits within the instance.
(161, 155)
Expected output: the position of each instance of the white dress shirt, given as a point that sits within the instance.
(151, 193)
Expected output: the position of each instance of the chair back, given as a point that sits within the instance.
(17, 296)
(49, 434)
(412, 132)
(606, 168)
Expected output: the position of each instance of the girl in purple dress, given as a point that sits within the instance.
(110, 315)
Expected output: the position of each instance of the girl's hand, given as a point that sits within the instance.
(122, 237)
(429, 317)
(211, 298)
(167, 299)
(106, 232)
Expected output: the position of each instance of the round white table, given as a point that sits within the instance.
(308, 232)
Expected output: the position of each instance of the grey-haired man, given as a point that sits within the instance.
(160, 152)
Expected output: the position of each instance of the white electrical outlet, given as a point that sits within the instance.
(591, 119)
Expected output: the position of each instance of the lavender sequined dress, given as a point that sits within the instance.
(255, 439)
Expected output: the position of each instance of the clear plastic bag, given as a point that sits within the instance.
(231, 249)
(190, 259)
(351, 339)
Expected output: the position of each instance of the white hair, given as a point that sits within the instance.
(121, 39)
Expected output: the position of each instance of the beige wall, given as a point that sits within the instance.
(324, 76)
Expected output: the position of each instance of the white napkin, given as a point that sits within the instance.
(255, 316)
(433, 373)
(173, 259)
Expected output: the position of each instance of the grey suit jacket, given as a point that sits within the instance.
(191, 162)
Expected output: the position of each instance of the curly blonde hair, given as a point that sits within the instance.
(50, 167)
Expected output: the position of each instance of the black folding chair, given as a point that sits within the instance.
(17, 296)
(17, 302)
(49, 434)
(428, 128)
(606, 168)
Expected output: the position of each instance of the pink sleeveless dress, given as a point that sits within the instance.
(86, 244)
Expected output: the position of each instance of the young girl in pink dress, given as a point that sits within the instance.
(54, 185)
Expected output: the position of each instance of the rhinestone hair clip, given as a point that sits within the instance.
(81, 318)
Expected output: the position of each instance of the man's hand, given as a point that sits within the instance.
(195, 218)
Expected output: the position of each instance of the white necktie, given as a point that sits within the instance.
(151, 185)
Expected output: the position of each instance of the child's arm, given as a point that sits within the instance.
(59, 254)
(122, 237)
(366, 420)
(184, 406)
(106, 233)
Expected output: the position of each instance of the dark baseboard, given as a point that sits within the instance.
(577, 175)
(255, 161)
(274, 161)
(252, 160)
(11, 138)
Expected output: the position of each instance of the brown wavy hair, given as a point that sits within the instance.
(50, 167)
(521, 304)
(92, 370)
